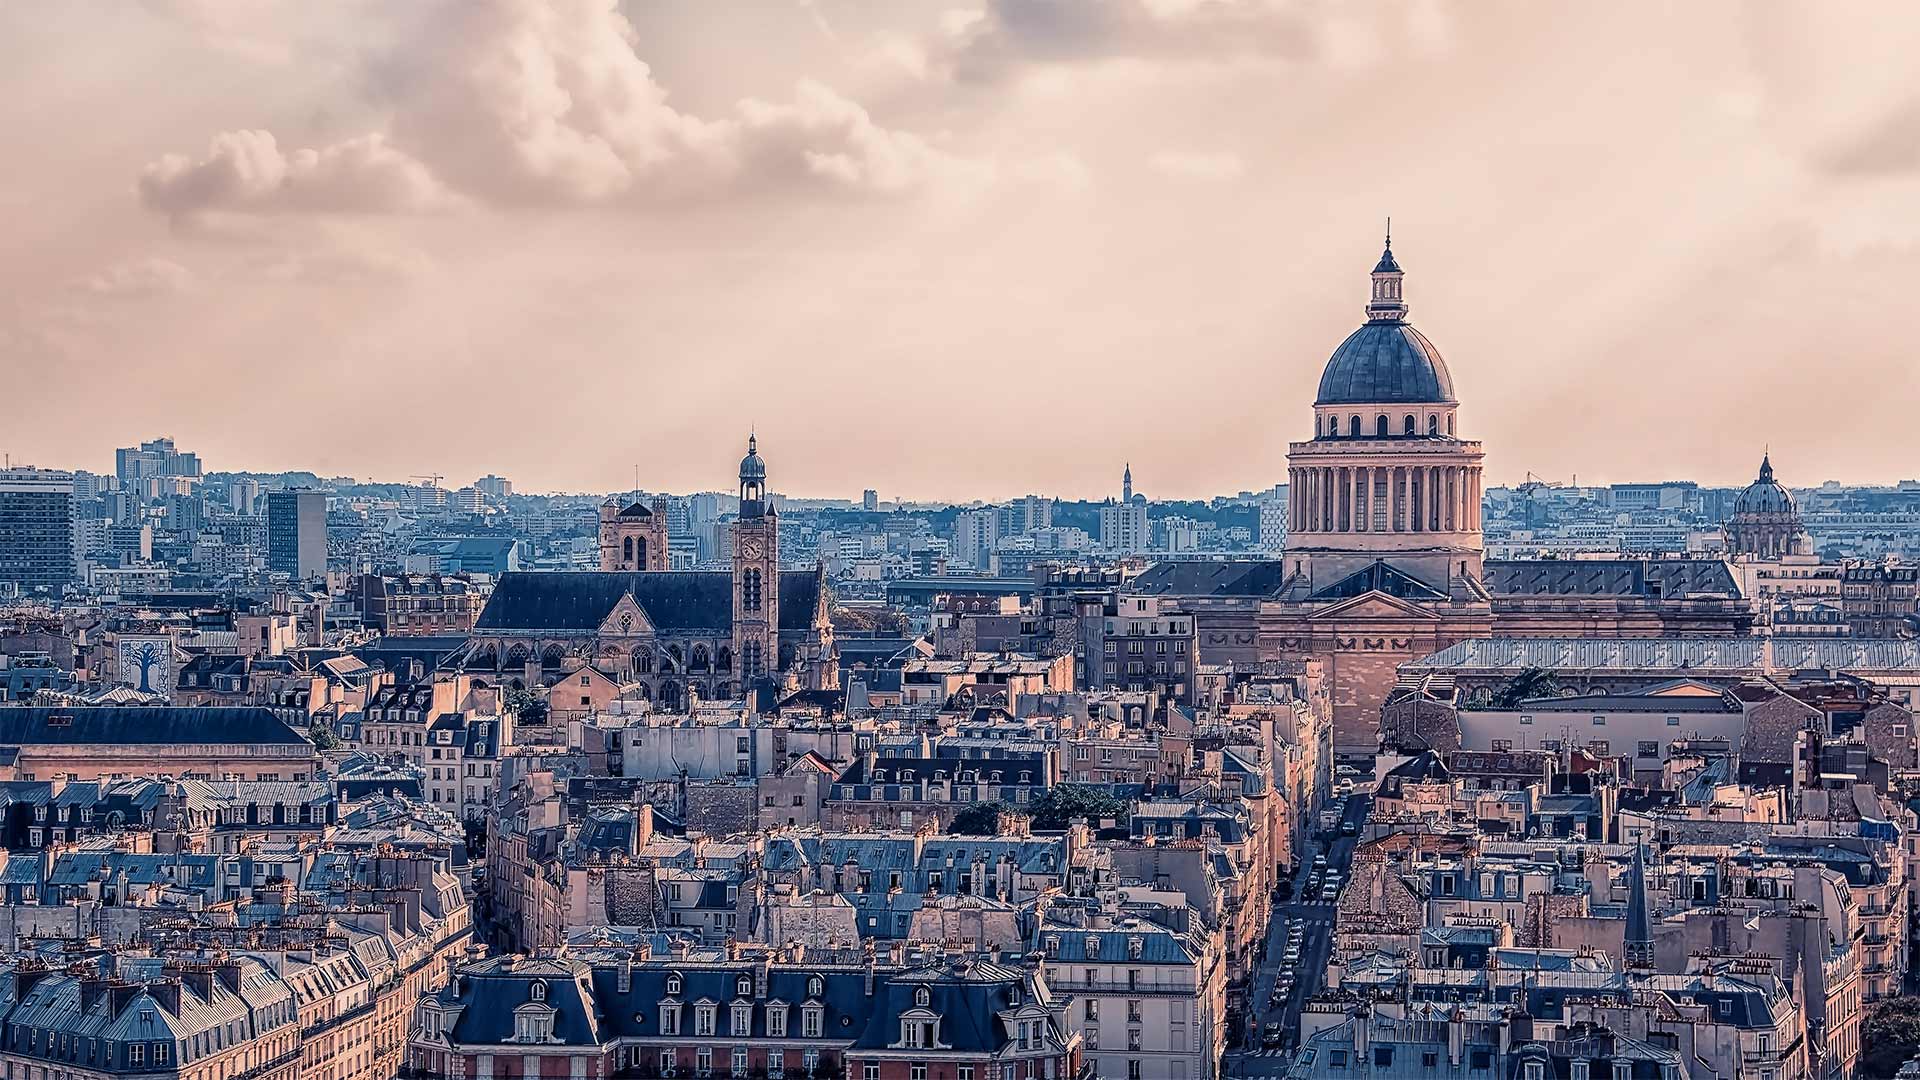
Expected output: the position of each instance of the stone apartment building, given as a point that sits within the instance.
(1149, 996)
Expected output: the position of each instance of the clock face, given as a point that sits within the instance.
(750, 549)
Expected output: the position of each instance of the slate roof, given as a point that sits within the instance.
(1228, 577)
(1624, 578)
(1651, 703)
(146, 725)
(579, 601)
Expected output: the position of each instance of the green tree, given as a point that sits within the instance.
(1889, 1035)
(322, 735)
(980, 819)
(1532, 683)
(1059, 806)
(526, 707)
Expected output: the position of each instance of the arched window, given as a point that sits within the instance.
(922, 997)
(1433, 425)
(1409, 423)
(673, 984)
(643, 660)
(1380, 426)
(1353, 427)
(750, 660)
(640, 548)
(723, 660)
(698, 661)
(626, 550)
(750, 590)
(1449, 423)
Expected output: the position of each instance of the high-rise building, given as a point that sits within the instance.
(1123, 526)
(156, 458)
(297, 533)
(869, 500)
(495, 487)
(975, 533)
(36, 529)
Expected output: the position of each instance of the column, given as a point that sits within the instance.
(1397, 512)
(1433, 498)
(1363, 486)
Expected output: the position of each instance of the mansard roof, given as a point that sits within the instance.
(1626, 578)
(579, 601)
(1227, 577)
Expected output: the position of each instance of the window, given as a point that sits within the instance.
(870, 1072)
(811, 1021)
(1338, 1059)
(703, 1061)
(742, 1018)
(1647, 749)
(669, 1019)
(966, 1072)
(1383, 1057)
(777, 1021)
(777, 1064)
(739, 1061)
(1599, 721)
(815, 984)
(917, 1072)
(1133, 1010)
(1093, 1008)
(673, 983)
(136, 1053)
(1526, 719)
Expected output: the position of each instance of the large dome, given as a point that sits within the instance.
(1764, 495)
(1385, 362)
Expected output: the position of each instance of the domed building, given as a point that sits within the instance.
(1383, 555)
(1765, 522)
(1386, 473)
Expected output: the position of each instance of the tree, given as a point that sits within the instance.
(1889, 1035)
(526, 707)
(322, 735)
(146, 656)
(1059, 806)
(1532, 683)
(979, 819)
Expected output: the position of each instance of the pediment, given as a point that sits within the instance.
(1375, 605)
(627, 619)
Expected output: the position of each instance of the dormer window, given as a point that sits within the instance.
(539, 990)
(816, 986)
(922, 997)
(1134, 947)
(1093, 946)
(743, 986)
(673, 985)
(1053, 947)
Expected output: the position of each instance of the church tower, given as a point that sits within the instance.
(756, 575)
(634, 538)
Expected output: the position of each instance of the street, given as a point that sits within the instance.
(1251, 1059)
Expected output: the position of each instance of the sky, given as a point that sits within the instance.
(951, 248)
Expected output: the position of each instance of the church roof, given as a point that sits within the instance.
(579, 601)
(636, 510)
(1765, 495)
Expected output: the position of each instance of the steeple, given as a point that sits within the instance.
(753, 480)
(1387, 304)
(1639, 939)
(1126, 484)
(1766, 467)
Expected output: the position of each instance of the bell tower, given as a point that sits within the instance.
(634, 538)
(756, 575)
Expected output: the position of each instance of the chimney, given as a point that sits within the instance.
(623, 975)
(167, 993)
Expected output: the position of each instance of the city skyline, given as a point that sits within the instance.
(1035, 207)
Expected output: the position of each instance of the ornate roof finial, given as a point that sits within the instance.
(1387, 304)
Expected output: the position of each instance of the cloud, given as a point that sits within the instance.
(247, 171)
(1004, 34)
(1890, 146)
(135, 278)
(547, 102)
(344, 265)
(1184, 165)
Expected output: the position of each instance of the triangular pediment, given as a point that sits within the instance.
(626, 619)
(1374, 605)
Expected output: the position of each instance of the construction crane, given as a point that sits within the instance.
(432, 479)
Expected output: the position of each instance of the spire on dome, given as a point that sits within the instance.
(1766, 467)
(1388, 304)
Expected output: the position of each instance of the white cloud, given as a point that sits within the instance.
(136, 278)
(548, 102)
(247, 171)
(1187, 165)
